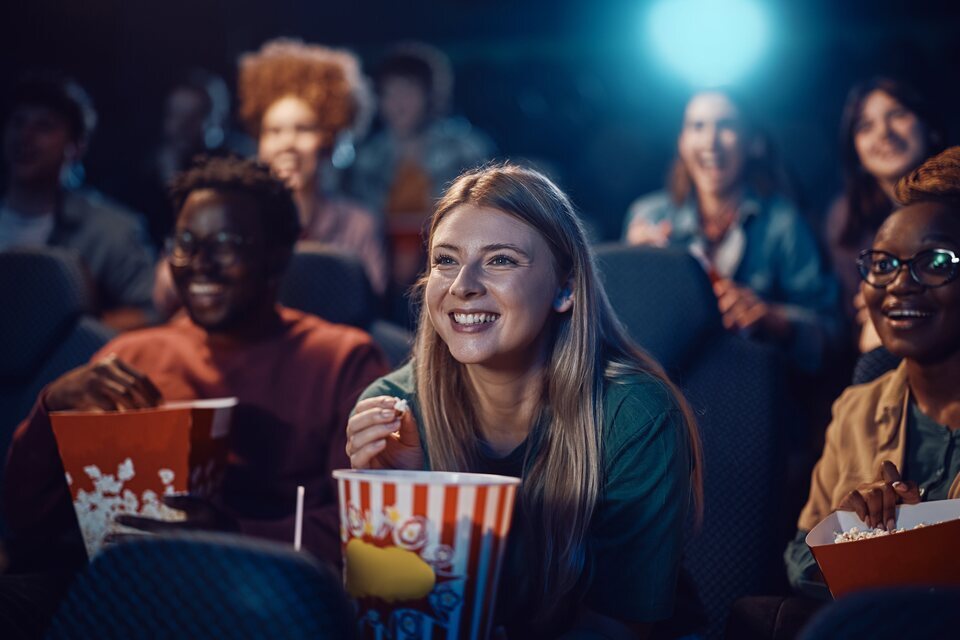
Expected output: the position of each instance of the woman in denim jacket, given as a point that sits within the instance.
(763, 259)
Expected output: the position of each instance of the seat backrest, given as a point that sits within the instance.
(44, 292)
(734, 386)
(873, 364)
(44, 329)
(736, 389)
(329, 283)
(660, 295)
(333, 285)
(201, 586)
(918, 613)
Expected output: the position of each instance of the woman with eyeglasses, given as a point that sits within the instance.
(887, 129)
(897, 439)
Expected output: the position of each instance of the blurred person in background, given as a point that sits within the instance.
(724, 203)
(886, 131)
(296, 377)
(46, 131)
(195, 121)
(295, 100)
(403, 168)
(895, 440)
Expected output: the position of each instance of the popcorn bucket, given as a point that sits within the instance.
(125, 462)
(422, 550)
(924, 554)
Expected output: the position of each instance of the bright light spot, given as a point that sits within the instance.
(710, 42)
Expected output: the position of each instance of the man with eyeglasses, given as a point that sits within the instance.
(896, 440)
(296, 378)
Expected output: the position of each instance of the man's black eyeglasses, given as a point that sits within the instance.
(223, 248)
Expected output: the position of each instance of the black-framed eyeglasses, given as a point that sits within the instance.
(223, 248)
(931, 268)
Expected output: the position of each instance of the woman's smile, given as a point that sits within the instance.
(491, 287)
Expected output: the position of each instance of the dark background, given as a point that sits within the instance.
(569, 84)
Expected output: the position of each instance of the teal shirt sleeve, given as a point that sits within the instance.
(636, 539)
(399, 384)
(803, 573)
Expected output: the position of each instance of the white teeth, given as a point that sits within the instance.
(474, 318)
(205, 288)
(908, 313)
(709, 161)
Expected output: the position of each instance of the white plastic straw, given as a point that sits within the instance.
(298, 528)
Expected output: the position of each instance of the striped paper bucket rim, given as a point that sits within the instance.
(444, 478)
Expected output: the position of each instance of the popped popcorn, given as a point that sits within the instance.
(855, 533)
(125, 470)
(97, 509)
(401, 406)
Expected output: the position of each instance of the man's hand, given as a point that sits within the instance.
(201, 515)
(108, 384)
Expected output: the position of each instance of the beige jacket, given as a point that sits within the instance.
(869, 426)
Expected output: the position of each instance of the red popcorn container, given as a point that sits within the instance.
(125, 462)
(422, 550)
(924, 554)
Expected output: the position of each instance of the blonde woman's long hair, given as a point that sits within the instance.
(587, 347)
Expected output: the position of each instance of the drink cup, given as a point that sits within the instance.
(422, 550)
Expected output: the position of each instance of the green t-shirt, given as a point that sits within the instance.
(636, 537)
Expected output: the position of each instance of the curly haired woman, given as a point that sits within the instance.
(296, 99)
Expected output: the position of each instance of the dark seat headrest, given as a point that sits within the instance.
(43, 292)
(663, 297)
(329, 283)
(204, 586)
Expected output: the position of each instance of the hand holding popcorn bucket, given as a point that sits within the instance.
(422, 550)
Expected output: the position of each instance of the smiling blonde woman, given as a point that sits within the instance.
(521, 368)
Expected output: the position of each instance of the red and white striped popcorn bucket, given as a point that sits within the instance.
(422, 550)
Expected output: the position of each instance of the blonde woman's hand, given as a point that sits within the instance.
(642, 232)
(380, 437)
